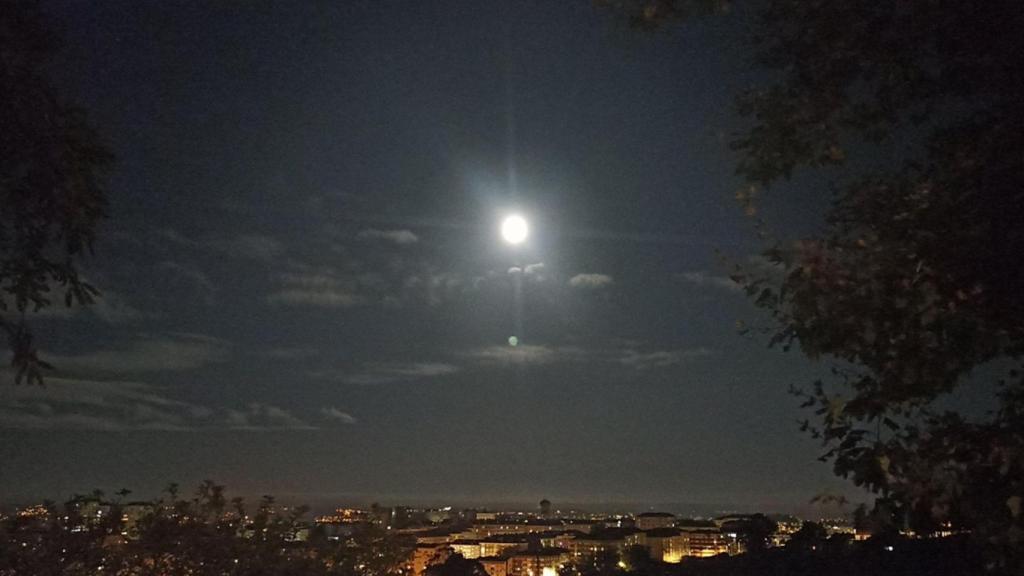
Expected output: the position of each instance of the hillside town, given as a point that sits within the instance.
(540, 542)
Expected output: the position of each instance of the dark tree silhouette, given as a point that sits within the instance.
(456, 565)
(189, 536)
(753, 531)
(638, 560)
(914, 288)
(810, 536)
(51, 199)
(605, 562)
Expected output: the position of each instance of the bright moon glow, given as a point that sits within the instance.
(514, 229)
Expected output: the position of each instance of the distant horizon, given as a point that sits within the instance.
(322, 503)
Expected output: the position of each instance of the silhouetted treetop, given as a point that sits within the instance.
(51, 198)
(914, 286)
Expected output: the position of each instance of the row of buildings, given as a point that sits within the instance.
(506, 544)
(532, 546)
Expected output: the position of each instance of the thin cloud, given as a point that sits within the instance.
(624, 355)
(108, 307)
(293, 353)
(192, 277)
(523, 354)
(535, 272)
(167, 353)
(319, 288)
(249, 246)
(253, 246)
(112, 309)
(703, 278)
(78, 404)
(534, 269)
(98, 393)
(590, 281)
(174, 237)
(332, 413)
(431, 287)
(259, 416)
(390, 373)
(397, 282)
(19, 420)
(65, 404)
(323, 298)
(662, 358)
(401, 237)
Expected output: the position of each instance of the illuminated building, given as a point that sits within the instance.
(837, 526)
(500, 547)
(441, 535)
(495, 565)
(90, 511)
(494, 546)
(585, 526)
(425, 555)
(543, 562)
(344, 516)
(662, 542)
(671, 545)
(652, 520)
(582, 546)
(470, 549)
(487, 529)
(131, 514)
(36, 512)
(437, 515)
(731, 519)
(699, 543)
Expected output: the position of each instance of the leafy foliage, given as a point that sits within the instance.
(51, 198)
(203, 535)
(605, 562)
(915, 285)
(914, 288)
(753, 532)
(456, 565)
(810, 536)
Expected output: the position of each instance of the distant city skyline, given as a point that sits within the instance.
(324, 504)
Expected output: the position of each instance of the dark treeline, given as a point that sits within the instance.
(177, 535)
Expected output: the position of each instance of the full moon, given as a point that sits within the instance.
(514, 229)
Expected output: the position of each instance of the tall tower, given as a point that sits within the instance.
(545, 508)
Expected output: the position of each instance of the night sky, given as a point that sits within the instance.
(305, 290)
